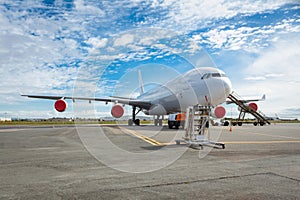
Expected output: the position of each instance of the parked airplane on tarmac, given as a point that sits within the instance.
(200, 86)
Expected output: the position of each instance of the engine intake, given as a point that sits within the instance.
(253, 106)
(117, 111)
(60, 105)
(218, 112)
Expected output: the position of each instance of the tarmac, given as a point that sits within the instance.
(122, 162)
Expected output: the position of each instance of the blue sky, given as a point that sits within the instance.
(94, 48)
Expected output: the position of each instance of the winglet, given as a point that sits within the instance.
(263, 97)
(141, 82)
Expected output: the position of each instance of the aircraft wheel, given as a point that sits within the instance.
(226, 123)
(137, 122)
(155, 122)
(160, 122)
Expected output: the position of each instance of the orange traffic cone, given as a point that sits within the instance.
(230, 129)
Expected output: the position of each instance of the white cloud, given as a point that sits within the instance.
(85, 8)
(33, 45)
(250, 39)
(276, 73)
(124, 40)
(272, 75)
(281, 58)
(255, 78)
(97, 43)
(184, 15)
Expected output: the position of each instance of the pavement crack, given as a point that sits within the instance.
(202, 180)
(293, 179)
(208, 180)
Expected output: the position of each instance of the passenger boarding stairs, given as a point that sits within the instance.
(247, 109)
(197, 128)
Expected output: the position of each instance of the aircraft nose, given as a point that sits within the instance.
(227, 86)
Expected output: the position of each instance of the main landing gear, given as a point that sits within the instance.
(158, 121)
(134, 120)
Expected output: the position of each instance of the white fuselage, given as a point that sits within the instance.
(199, 86)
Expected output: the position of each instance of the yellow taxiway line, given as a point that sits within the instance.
(156, 143)
(145, 138)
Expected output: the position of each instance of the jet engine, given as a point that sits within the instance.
(251, 105)
(218, 112)
(60, 105)
(117, 111)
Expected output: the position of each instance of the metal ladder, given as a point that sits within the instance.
(245, 109)
(197, 128)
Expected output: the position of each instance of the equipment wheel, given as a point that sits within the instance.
(240, 123)
(255, 123)
(130, 122)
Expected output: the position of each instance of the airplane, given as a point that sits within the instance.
(244, 107)
(248, 103)
(205, 86)
(282, 119)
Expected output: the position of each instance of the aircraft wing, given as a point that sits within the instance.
(121, 100)
(247, 100)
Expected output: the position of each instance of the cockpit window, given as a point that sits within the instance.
(215, 75)
(206, 76)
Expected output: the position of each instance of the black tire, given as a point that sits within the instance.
(226, 123)
(130, 122)
(240, 123)
(137, 122)
(261, 123)
(233, 123)
(170, 124)
(155, 122)
(255, 123)
(160, 122)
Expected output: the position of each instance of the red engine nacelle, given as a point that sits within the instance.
(60, 105)
(117, 111)
(218, 112)
(253, 106)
